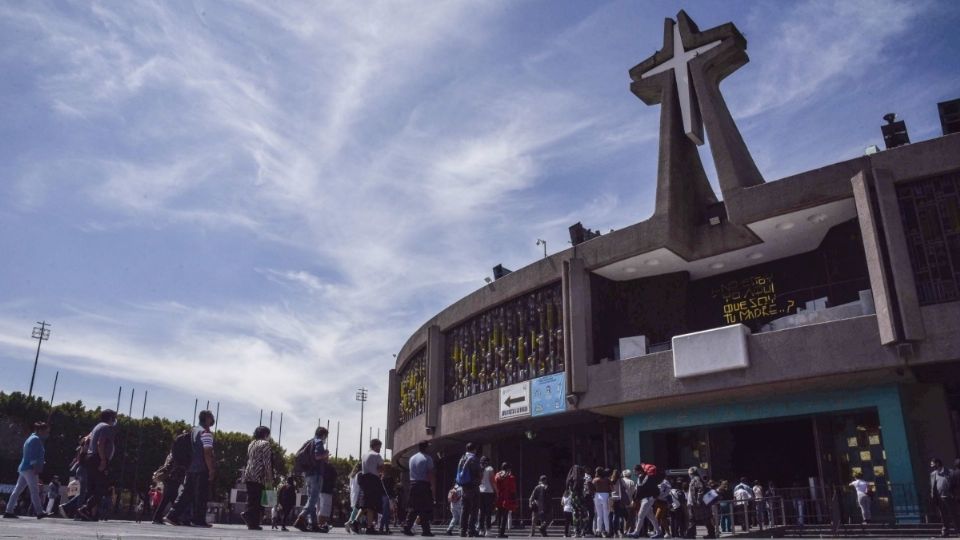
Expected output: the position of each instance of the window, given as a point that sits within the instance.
(930, 209)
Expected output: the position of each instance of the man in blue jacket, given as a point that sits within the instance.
(30, 468)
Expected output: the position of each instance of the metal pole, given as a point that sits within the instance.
(130, 411)
(217, 429)
(136, 466)
(271, 421)
(54, 393)
(40, 334)
(336, 449)
(207, 408)
(261, 418)
(280, 436)
(118, 399)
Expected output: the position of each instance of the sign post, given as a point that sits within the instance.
(515, 401)
(548, 395)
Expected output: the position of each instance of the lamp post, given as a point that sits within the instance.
(362, 398)
(544, 244)
(41, 334)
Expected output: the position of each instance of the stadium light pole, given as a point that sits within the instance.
(40, 333)
(362, 398)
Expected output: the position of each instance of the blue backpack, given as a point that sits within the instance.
(463, 472)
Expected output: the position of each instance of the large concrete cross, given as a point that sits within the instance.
(681, 73)
(684, 77)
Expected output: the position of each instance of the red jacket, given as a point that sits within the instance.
(506, 486)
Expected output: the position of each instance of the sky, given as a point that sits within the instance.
(256, 203)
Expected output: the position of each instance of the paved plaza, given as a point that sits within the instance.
(56, 529)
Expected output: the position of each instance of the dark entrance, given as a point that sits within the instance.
(782, 451)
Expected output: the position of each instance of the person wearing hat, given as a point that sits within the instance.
(700, 512)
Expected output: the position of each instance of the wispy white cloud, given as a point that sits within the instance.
(819, 46)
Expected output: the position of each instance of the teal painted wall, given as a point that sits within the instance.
(886, 399)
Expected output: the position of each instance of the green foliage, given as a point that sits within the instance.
(142, 445)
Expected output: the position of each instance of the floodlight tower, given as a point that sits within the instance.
(40, 333)
(362, 398)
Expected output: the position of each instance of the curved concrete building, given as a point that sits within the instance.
(810, 320)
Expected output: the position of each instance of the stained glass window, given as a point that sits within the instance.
(930, 209)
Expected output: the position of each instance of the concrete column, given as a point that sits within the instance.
(435, 376)
(577, 324)
(735, 166)
(393, 408)
(898, 256)
(873, 249)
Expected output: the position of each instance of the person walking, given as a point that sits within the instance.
(388, 482)
(199, 476)
(28, 472)
(256, 476)
(97, 459)
(53, 494)
(678, 508)
(566, 503)
(488, 495)
(629, 508)
(648, 489)
(941, 493)
(618, 502)
(725, 495)
(538, 507)
(743, 494)
(325, 503)
(700, 511)
(506, 487)
(309, 461)
(862, 489)
(371, 487)
(601, 502)
(455, 498)
(350, 526)
(421, 490)
(469, 474)
(286, 500)
(172, 473)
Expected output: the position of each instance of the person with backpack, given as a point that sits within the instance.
(199, 476)
(256, 476)
(648, 489)
(172, 472)
(28, 477)
(538, 507)
(309, 461)
(455, 498)
(469, 474)
(566, 503)
(99, 453)
(505, 484)
(575, 486)
(700, 510)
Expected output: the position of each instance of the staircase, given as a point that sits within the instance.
(872, 530)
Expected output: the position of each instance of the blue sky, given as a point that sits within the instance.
(257, 203)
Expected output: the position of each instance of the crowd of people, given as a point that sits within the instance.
(607, 503)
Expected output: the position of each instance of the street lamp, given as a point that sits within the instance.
(41, 334)
(362, 398)
(544, 244)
